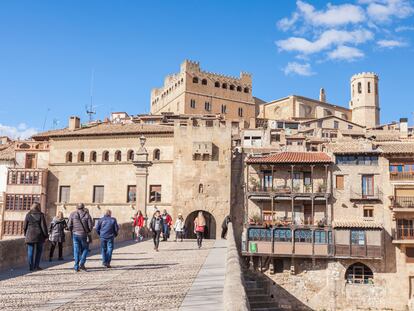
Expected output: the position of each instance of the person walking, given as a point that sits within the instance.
(225, 226)
(81, 225)
(57, 235)
(156, 227)
(138, 225)
(179, 228)
(199, 228)
(167, 222)
(35, 233)
(107, 229)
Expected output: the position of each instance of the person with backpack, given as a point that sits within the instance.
(156, 227)
(138, 225)
(57, 235)
(167, 222)
(107, 229)
(199, 228)
(35, 233)
(179, 228)
(225, 226)
(81, 225)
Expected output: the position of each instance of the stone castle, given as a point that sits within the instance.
(321, 196)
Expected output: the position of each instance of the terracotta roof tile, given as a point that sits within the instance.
(397, 148)
(7, 153)
(352, 146)
(108, 129)
(292, 157)
(356, 224)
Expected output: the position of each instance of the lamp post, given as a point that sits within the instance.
(141, 163)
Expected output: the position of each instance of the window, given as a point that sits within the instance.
(340, 185)
(157, 154)
(369, 87)
(200, 188)
(30, 160)
(350, 127)
(217, 84)
(98, 194)
(192, 103)
(376, 88)
(246, 90)
(367, 185)
(359, 88)
(232, 87)
(224, 85)
(303, 236)
(105, 156)
(68, 157)
(223, 109)
(336, 124)
(359, 273)
(357, 237)
(289, 143)
(92, 156)
(368, 211)
(320, 124)
(307, 180)
(155, 193)
(267, 180)
(207, 106)
(239, 89)
(81, 156)
(132, 194)
(13, 228)
(274, 138)
(356, 160)
(323, 237)
(240, 112)
(21, 202)
(409, 253)
(118, 156)
(282, 235)
(130, 155)
(64, 194)
(195, 80)
(204, 82)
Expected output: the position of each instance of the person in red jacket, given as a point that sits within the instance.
(167, 222)
(138, 225)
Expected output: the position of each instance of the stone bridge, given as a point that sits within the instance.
(178, 277)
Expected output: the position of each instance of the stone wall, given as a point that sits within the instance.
(13, 252)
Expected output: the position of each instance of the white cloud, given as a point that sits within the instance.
(385, 10)
(404, 28)
(344, 52)
(326, 40)
(22, 131)
(299, 69)
(391, 43)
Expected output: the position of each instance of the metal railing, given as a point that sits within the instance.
(404, 233)
(403, 202)
(359, 194)
(288, 189)
(402, 176)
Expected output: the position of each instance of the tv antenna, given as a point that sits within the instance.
(90, 111)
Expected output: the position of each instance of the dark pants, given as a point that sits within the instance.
(34, 253)
(223, 232)
(53, 246)
(156, 238)
(199, 238)
(80, 250)
(107, 247)
(165, 232)
(179, 235)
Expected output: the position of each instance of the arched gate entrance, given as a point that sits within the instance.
(209, 233)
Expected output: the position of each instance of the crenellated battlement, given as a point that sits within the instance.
(364, 75)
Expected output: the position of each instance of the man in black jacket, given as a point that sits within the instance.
(35, 232)
(156, 227)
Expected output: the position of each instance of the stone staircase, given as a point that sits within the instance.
(258, 293)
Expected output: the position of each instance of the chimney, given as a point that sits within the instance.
(322, 95)
(74, 123)
(404, 127)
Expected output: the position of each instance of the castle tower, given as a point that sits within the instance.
(364, 102)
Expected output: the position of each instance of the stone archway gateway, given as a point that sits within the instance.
(210, 232)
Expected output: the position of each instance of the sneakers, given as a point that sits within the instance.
(82, 267)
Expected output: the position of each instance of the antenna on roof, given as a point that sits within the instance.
(44, 121)
(90, 111)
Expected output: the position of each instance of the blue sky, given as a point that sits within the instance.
(49, 49)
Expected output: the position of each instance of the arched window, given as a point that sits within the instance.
(105, 156)
(68, 157)
(204, 82)
(223, 109)
(246, 90)
(118, 156)
(240, 112)
(81, 156)
(195, 80)
(369, 87)
(359, 88)
(231, 87)
(92, 156)
(157, 154)
(239, 89)
(217, 84)
(200, 188)
(130, 155)
(224, 86)
(359, 273)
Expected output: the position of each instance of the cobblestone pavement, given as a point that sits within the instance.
(141, 279)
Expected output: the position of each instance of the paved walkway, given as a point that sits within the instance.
(206, 293)
(141, 279)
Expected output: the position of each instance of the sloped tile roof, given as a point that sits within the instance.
(108, 129)
(356, 224)
(397, 148)
(292, 157)
(352, 146)
(7, 152)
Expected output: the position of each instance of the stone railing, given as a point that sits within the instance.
(234, 293)
(13, 252)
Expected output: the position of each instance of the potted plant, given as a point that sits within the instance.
(308, 188)
(322, 187)
(254, 183)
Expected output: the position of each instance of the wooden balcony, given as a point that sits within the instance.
(358, 251)
(403, 235)
(287, 191)
(402, 176)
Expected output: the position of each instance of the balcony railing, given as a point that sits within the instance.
(403, 202)
(24, 177)
(288, 189)
(402, 176)
(404, 233)
(374, 194)
(369, 251)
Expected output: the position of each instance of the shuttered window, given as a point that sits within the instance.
(98, 194)
(64, 194)
(340, 182)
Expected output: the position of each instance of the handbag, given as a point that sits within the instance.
(88, 234)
